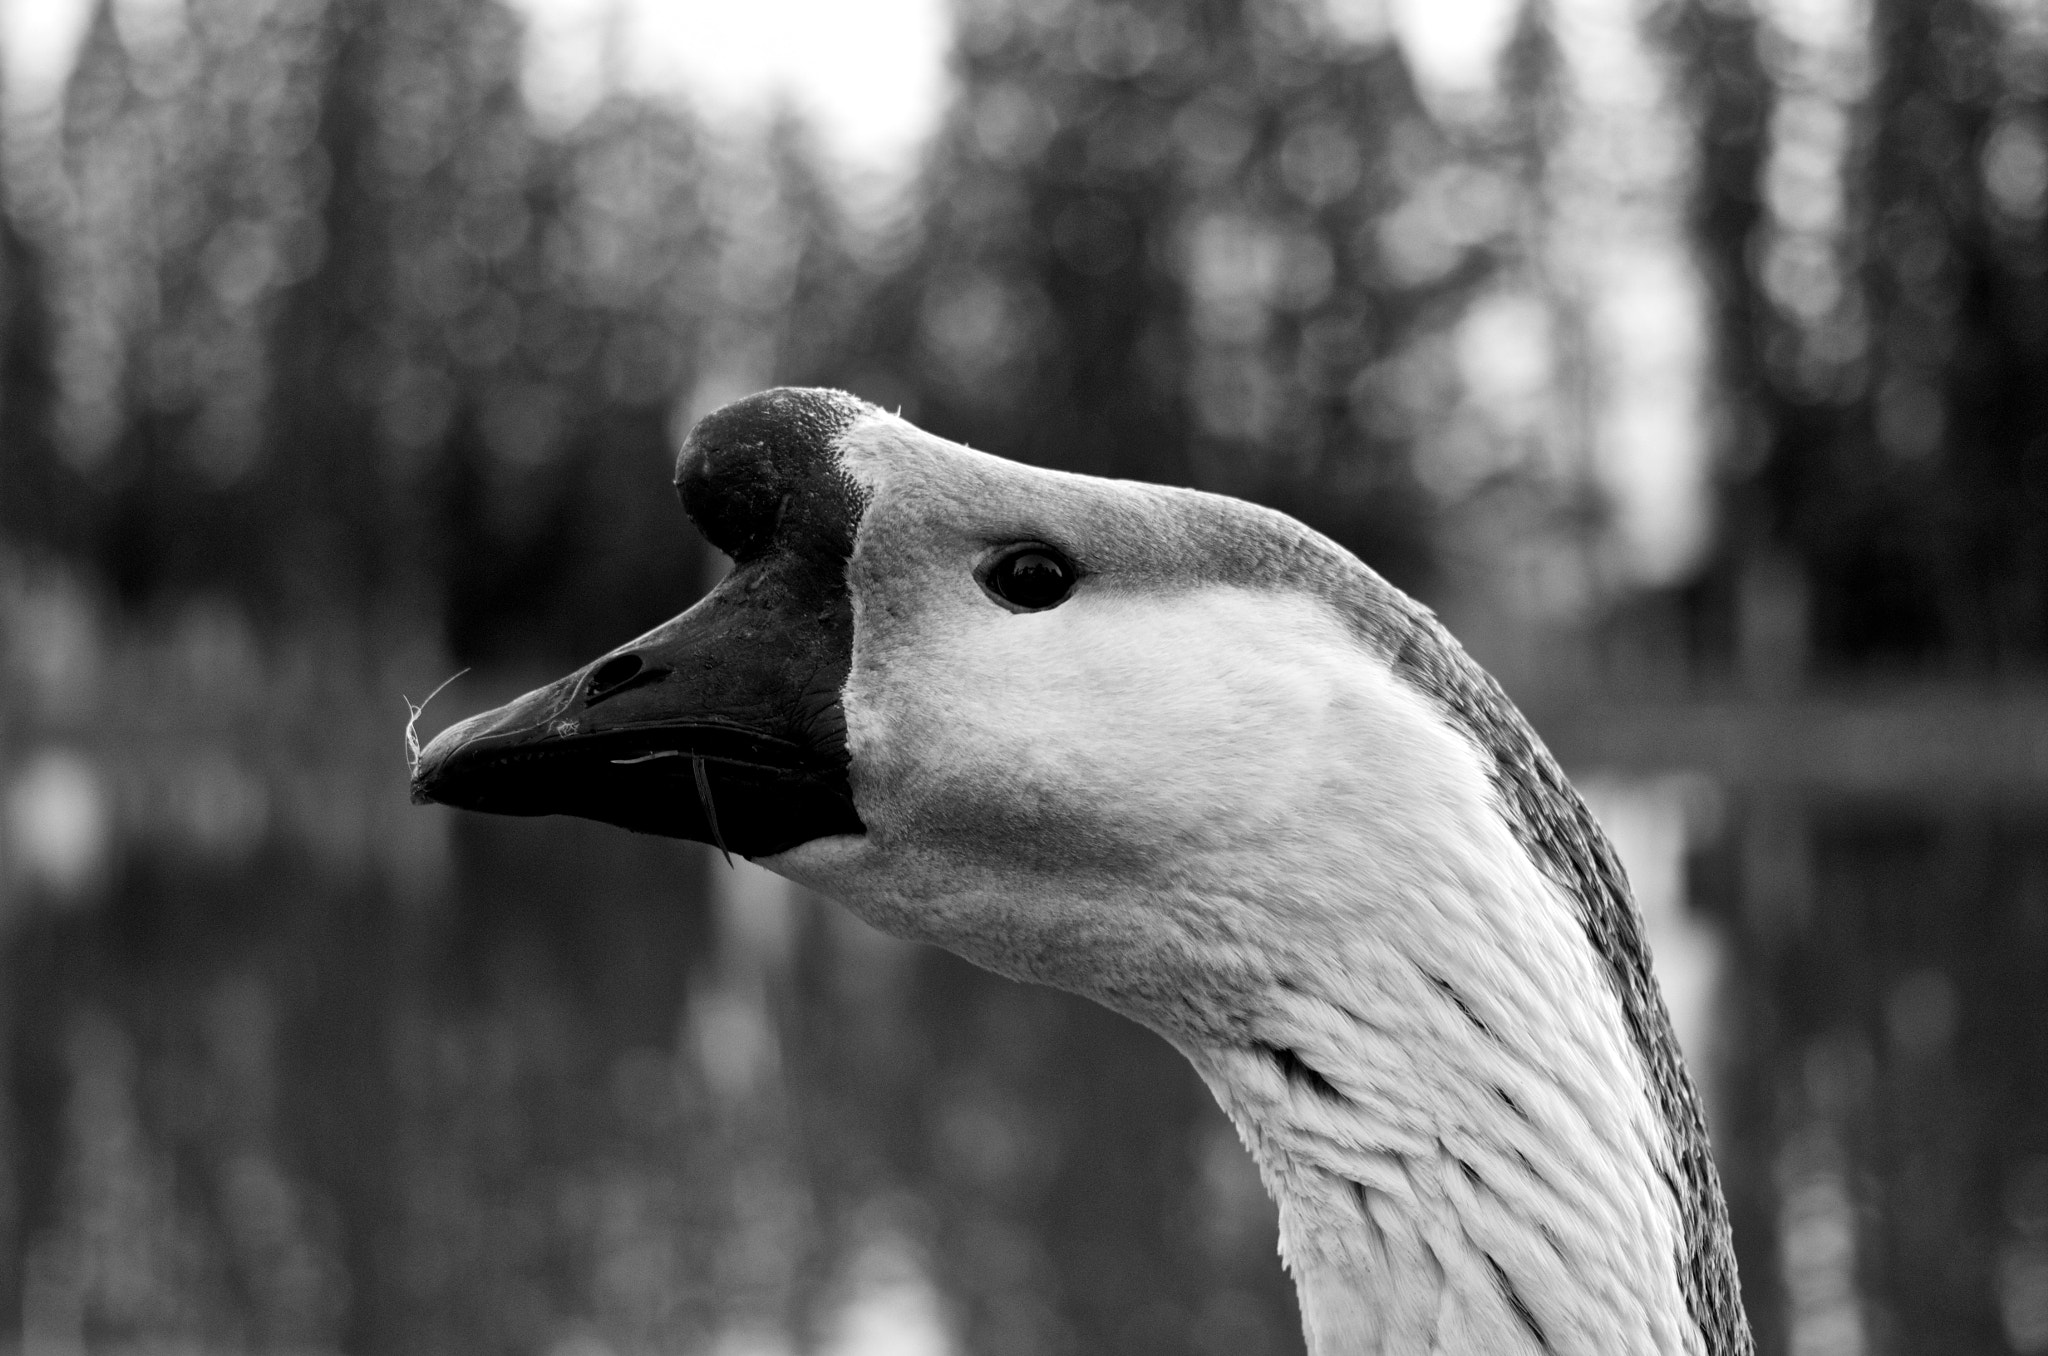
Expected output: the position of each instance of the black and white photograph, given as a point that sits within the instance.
(1023, 678)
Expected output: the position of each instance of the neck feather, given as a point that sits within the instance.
(1441, 1094)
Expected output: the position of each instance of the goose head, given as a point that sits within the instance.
(1185, 756)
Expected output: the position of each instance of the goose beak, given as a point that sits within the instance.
(722, 726)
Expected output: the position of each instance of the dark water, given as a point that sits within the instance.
(539, 1086)
(582, 1099)
(1885, 1090)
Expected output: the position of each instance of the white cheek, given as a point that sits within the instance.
(1186, 710)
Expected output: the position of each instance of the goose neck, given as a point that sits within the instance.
(1442, 1097)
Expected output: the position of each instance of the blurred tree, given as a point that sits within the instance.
(482, 368)
(337, 331)
(1156, 244)
(1948, 556)
(1871, 217)
(30, 506)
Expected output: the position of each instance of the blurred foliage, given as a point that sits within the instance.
(1873, 218)
(309, 312)
(334, 328)
(1152, 246)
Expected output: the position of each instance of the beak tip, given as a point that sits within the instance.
(422, 786)
(429, 772)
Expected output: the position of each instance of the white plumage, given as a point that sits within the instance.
(1236, 787)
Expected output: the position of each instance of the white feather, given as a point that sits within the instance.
(1213, 807)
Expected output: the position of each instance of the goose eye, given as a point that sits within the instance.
(1032, 578)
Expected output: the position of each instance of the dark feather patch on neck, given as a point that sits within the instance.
(1234, 543)
(1554, 825)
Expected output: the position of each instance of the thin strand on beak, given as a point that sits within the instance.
(412, 720)
(710, 810)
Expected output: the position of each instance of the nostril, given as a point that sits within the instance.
(614, 671)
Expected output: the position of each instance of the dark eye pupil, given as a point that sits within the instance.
(1033, 579)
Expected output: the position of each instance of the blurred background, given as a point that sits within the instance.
(1690, 356)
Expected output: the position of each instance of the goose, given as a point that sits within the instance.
(1187, 757)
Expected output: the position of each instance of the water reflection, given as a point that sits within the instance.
(595, 1094)
(57, 822)
(293, 1064)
